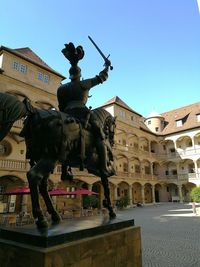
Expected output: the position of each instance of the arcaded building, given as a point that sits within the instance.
(157, 159)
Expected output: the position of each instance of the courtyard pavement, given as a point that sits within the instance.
(170, 234)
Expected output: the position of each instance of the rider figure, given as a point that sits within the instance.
(72, 99)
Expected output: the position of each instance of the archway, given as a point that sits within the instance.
(137, 193)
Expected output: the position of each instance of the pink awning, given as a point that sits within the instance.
(83, 191)
(59, 191)
(18, 191)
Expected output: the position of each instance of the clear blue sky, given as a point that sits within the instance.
(154, 45)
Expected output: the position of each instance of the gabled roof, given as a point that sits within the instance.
(27, 54)
(188, 116)
(117, 101)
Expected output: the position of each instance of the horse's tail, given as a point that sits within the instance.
(11, 110)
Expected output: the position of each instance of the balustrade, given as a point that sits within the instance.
(6, 164)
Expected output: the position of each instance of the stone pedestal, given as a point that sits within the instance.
(91, 242)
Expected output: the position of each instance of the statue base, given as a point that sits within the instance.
(91, 242)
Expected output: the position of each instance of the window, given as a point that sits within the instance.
(43, 77)
(46, 78)
(157, 129)
(149, 122)
(23, 68)
(19, 67)
(174, 172)
(198, 117)
(40, 76)
(179, 123)
(15, 65)
(122, 113)
(5, 148)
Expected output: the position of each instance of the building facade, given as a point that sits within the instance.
(157, 159)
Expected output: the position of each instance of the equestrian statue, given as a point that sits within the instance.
(75, 136)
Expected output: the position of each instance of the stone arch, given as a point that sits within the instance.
(123, 189)
(144, 144)
(146, 167)
(154, 147)
(134, 165)
(184, 142)
(133, 141)
(169, 146)
(157, 169)
(148, 193)
(137, 193)
(121, 163)
(186, 190)
(121, 137)
(197, 140)
(158, 192)
(186, 166)
(172, 190)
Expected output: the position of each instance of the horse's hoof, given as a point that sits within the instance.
(55, 218)
(112, 215)
(41, 224)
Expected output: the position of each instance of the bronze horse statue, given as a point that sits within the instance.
(53, 137)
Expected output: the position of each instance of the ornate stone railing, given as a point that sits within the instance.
(14, 165)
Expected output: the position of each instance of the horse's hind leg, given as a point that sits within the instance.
(107, 202)
(47, 199)
(35, 176)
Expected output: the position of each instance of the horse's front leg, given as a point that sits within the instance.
(35, 176)
(106, 201)
(47, 199)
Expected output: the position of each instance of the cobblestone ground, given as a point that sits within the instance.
(170, 234)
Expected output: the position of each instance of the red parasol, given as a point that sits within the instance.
(83, 191)
(59, 192)
(18, 191)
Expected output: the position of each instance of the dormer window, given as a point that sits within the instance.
(179, 123)
(181, 120)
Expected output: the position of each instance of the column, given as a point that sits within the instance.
(143, 196)
(24, 203)
(153, 194)
(180, 193)
(196, 168)
(130, 195)
(115, 193)
(151, 169)
(89, 186)
(54, 198)
(24, 200)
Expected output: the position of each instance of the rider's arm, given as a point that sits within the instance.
(100, 78)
